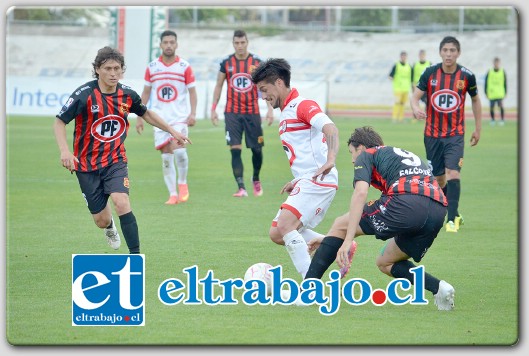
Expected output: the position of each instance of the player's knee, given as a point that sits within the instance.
(102, 221)
(275, 236)
(383, 265)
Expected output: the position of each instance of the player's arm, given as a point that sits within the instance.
(269, 113)
(330, 131)
(356, 209)
(221, 77)
(476, 110)
(145, 96)
(67, 157)
(155, 120)
(418, 113)
(191, 119)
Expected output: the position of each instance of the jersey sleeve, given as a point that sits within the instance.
(423, 80)
(189, 77)
(137, 107)
(147, 77)
(70, 109)
(222, 65)
(472, 85)
(363, 168)
(393, 69)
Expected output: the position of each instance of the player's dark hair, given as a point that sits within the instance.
(450, 39)
(239, 33)
(271, 70)
(365, 136)
(167, 33)
(105, 54)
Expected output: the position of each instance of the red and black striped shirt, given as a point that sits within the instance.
(101, 124)
(242, 94)
(393, 171)
(445, 94)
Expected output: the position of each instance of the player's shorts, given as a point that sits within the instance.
(446, 152)
(413, 220)
(162, 138)
(309, 201)
(97, 186)
(250, 124)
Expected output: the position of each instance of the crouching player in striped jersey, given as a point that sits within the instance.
(408, 215)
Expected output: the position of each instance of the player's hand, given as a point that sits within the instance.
(341, 256)
(287, 188)
(214, 117)
(68, 161)
(314, 244)
(191, 120)
(419, 114)
(270, 118)
(474, 139)
(180, 139)
(139, 125)
(323, 171)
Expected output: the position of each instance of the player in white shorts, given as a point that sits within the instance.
(170, 87)
(310, 140)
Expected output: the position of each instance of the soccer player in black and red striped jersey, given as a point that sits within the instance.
(408, 215)
(241, 114)
(446, 85)
(100, 109)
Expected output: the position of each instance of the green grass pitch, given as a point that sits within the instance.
(47, 222)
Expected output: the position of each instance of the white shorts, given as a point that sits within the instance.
(309, 201)
(162, 138)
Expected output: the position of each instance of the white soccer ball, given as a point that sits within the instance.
(261, 272)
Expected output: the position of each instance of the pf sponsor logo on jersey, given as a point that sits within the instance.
(108, 290)
(242, 82)
(108, 128)
(446, 100)
(167, 92)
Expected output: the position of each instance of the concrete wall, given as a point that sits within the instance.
(354, 65)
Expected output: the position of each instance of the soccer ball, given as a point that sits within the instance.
(260, 271)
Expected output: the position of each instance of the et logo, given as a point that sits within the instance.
(108, 290)
(108, 128)
(446, 100)
(242, 82)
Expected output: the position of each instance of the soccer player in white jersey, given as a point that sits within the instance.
(310, 140)
(170, 86)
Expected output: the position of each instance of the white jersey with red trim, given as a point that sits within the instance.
(170, 84)
(300, 129)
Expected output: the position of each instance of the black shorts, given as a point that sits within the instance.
(97, 186)
(250, 124)
(493, 102)
(446, 152)
(412, 220)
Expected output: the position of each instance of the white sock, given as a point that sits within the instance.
(297, 249)
(181, 164)
(309, 234)
(169, 172)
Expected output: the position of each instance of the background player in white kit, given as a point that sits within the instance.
(310, 140)
(169, 82)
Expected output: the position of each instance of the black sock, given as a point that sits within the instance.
(237, 167)
(454, 191)
(129, 227)
(445, 189)
(401, 269)
(257, 161)
(502, 111)
(492, 114)
(111, 224)
(325, 255)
